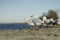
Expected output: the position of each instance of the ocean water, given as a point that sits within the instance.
(14, 26)
(18, 26)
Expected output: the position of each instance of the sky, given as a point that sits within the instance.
(14, 11)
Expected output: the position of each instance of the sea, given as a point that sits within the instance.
(14, 26)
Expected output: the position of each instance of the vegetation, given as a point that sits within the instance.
(50, 14)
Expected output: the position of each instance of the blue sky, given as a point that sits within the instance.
(14, 11)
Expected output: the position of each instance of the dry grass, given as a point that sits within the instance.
(31, 34)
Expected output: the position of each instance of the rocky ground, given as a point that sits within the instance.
(31, 34)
